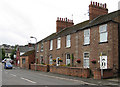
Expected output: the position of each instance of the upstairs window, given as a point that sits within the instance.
(86, 36)
(103, 33)
(51, 44)
(68, 42)
(37, 47)
(41, 47)
(58, 43)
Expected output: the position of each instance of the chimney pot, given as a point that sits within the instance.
(57, 18)
(91, 2)
(64, 19)
(98, 4)
(68, 20)
(105, 5)
(60, 19)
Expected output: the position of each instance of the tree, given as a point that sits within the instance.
(3, 54)
(13, 52)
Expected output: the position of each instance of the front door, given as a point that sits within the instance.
(57, 61)
(67, 59)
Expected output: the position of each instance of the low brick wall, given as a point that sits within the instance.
(108, 73)
(73, 71)
(32, 67)
(39, 67)
(44, 68)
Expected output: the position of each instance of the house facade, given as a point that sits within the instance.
(27, 59)
(92, 44)
(20, 50)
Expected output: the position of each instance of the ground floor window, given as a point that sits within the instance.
(68, 59)
(50, 59)
(23, 60)
(86, 60)
(41, 59)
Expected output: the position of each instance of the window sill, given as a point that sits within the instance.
(58, 49)
(103, 42)
(68, 47)
(86, 44)
(51, 50)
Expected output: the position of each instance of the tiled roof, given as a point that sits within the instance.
(28, 53)
(83, 25)
(25, 48)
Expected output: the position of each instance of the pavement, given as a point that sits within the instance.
(18, 76)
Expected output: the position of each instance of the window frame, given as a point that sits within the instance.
(103, 30)
(58, 42)
(84, 65)
(86, 36)
(51, 44)
(68, 40)
(41, 47)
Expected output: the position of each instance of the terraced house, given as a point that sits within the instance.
(92, 44)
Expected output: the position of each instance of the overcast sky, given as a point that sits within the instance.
(20, 19)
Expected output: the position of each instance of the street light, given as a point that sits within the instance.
(35, 50)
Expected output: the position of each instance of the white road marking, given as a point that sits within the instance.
(13, 75)
(28, 80)
(68, 79)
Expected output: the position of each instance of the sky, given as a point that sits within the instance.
(20, 19)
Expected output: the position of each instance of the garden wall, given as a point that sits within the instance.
(72, 71)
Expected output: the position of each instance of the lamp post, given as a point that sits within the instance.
(35, 51)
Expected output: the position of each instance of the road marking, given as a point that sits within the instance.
(28, 80)
(13, 75)
(68, 79)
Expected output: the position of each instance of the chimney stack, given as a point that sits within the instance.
(62, 23)
(96, 9)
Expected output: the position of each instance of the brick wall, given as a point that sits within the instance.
(39, 67)
(73, 71)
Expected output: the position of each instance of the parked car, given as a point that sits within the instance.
(8, 65)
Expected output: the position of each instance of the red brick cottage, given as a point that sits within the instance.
(85, 48)
(27, 59)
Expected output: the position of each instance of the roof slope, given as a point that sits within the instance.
(28, 53)
(83, 25)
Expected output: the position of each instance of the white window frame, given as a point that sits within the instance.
(103, 33)
(51, 44)
(87, 58)
(50, 60)
(41, 47)
(67, 59)
(58, 43)
(37, 47)
(41, 57)
(86, 36)
(68, 41)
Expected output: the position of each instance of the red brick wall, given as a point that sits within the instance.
(73, 71)
(95, 48)
(63, 23)
(96, 10)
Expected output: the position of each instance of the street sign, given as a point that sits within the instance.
(103, 62)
